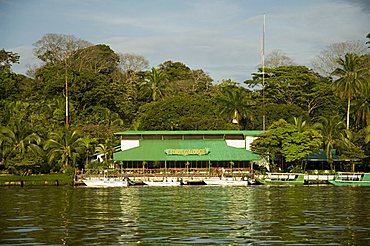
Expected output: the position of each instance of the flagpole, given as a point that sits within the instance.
(263, 77)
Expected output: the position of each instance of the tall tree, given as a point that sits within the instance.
(182, 112)
(278, 58)
(234, 102)
(132, 62)
(326, 61)
(56, 48)
(351, 79)
(89, 144)
(96, 58)
(349, 149)
(331, 129)
(155, 84)
(296, 85)
(362, 107)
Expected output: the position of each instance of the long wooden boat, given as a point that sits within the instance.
(282, 179)
(348, 178)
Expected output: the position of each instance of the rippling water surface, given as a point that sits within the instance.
(255, 215)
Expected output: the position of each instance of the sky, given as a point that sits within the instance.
(221, 37)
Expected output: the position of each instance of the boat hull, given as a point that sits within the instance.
(337, 182)
(105, 183)
(225, 182)
(162, 183)
(347, 178)
(267, 182)
(282, 179)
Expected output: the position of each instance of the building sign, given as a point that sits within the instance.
(185, 152)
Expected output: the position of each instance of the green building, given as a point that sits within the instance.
(176, 151)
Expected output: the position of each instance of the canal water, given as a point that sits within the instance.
(256, 215)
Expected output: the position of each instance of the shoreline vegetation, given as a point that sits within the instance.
(57, 179)
(63, 115)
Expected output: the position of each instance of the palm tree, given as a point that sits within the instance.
(367, 134)
(111, 118)
(18, 139)
(349, 149)
(330, 129)
(234, 102)
(155, 83)
(89, 145)
(362, 107)
(106, 149)
(351, 79)
(64, 146)
(300, 124)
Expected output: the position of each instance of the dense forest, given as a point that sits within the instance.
(307, 109)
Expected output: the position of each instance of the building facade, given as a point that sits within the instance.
(176, 151)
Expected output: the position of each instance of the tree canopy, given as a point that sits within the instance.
(113, 91)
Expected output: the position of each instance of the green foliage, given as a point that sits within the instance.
(291, 91)
(352, 79)
(300, 144)
(181, 112)
(17, 139)
(330, 129)
(349, 149)
(7, 58)
(181, 79)
(106, 96)
(64, 147)
(234, 103)
(155, 84)
(46, 179)
(97, 58)
(288, 141)
(106, 149)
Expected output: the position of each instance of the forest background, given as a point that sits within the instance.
(307, 109)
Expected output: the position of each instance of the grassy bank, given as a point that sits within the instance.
(40, 179)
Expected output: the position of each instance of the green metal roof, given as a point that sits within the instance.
(155, 150)
(201, 132)
(320, 155)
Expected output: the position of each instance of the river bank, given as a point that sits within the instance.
(57, 179)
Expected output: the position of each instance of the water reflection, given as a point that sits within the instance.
(185, 215)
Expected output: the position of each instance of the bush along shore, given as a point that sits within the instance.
(37, 180)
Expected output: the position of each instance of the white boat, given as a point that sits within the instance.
(164, 183)
(226, 181)
(106, 182)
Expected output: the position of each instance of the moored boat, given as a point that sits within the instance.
(349, 178)
(226, 181)
(162, 183)
(106, 182)
(282, 179)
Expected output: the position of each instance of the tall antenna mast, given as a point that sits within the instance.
(67, 121)
(263, 77)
